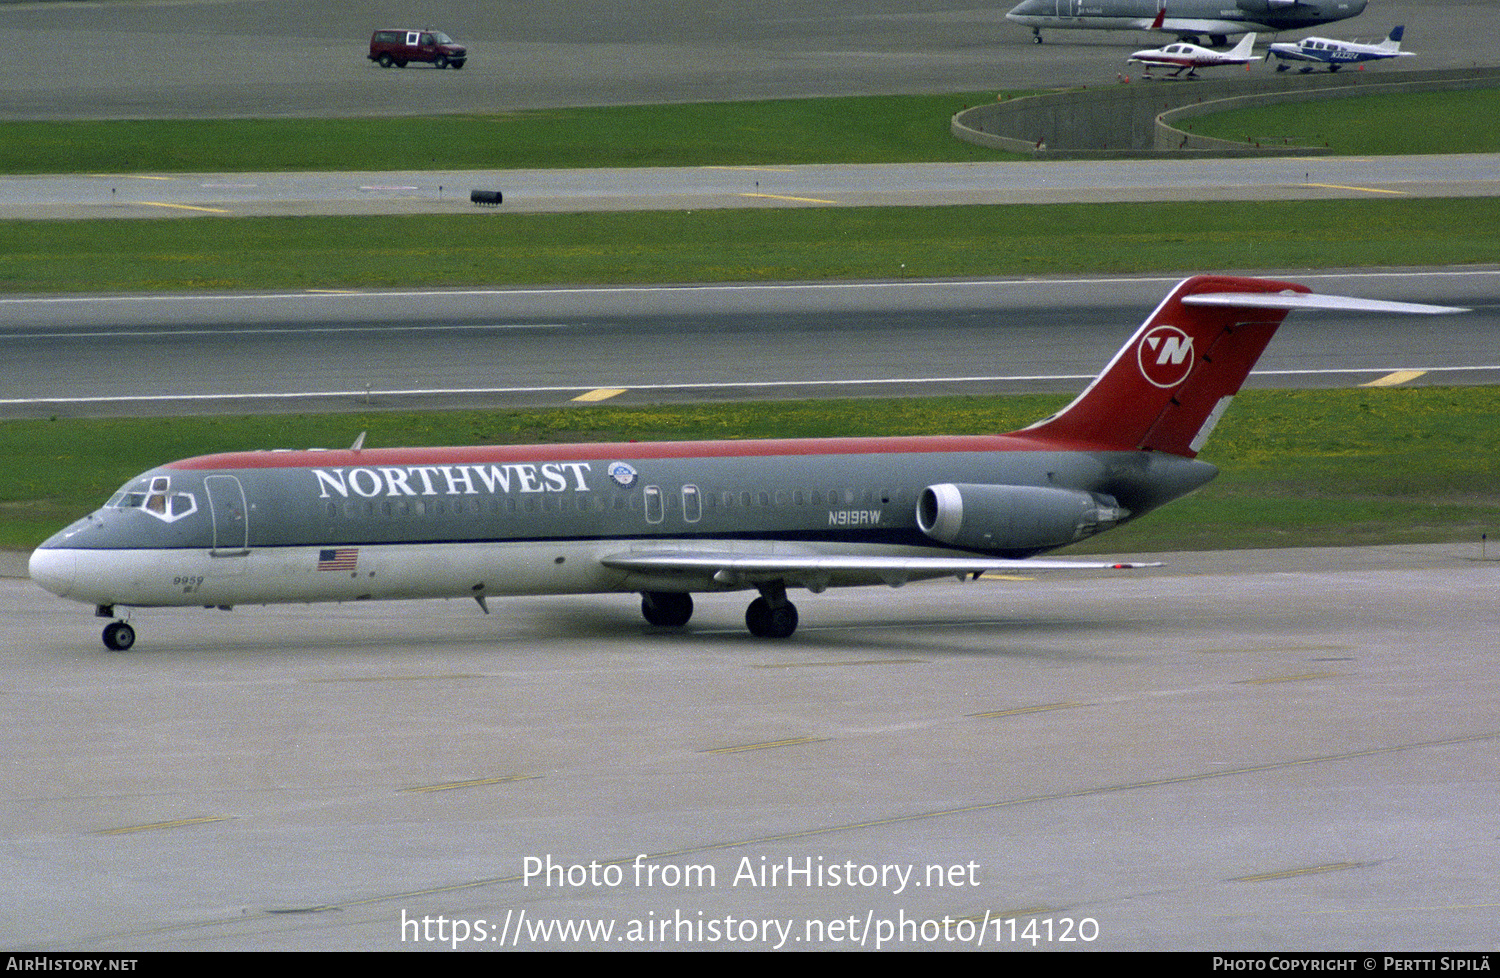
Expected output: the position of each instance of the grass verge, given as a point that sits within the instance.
(1375, 125)
(1304, 468)
(875, 129)
(870, 129)
(736, 245)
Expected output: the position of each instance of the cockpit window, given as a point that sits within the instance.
(154, 496)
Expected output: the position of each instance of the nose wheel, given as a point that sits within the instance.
(118, 636)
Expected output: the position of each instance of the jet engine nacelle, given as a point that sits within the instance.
(1019, 518)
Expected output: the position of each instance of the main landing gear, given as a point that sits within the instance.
(118, 635)
(667, 609)
(769, 616)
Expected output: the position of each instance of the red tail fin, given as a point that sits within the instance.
(1167, 387)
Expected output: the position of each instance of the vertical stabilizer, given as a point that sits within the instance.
(1166, 387)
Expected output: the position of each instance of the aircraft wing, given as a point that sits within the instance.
(816, 571)
(1182, 26)
(1291, 52)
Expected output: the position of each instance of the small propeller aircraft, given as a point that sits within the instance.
(669, 519)
(1336, 54)
(1190, 57)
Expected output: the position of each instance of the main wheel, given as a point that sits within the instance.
(440, 63)
(118, 636)
(386, 61)
(765, 621)
(667, 609)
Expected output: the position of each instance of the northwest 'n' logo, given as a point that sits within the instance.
(1165, 356)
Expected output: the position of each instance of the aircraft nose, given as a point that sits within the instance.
(1030, 8)
(53, 569)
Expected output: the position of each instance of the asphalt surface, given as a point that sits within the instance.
(482, 348)
(262, 58)
(696, 188)
(1276, 750)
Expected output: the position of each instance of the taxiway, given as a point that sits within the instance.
(410, 349)
(1256, 750)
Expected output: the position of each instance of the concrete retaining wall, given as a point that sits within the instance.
(1134, 119)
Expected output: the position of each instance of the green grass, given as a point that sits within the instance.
(1375, 125)
(823, 130)
(1341, 468)
(1304, 468)
(735, 245)
(872, 129)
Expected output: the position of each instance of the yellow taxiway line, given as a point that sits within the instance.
(798, 200)
(602, 394)
(1392, 379)
(1368, 190)
(181, 207)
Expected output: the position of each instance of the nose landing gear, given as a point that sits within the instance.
(118, 636)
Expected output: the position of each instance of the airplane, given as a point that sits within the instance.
(1190, 57)
(1189, 20)
(1336, 54)
(670, 519)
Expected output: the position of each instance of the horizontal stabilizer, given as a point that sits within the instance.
(1312, 300)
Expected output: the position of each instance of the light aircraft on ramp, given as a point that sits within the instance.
(1190, 57)
(1336, 54)
(1188, 19)
(670, 519)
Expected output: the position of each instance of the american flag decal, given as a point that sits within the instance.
(338, 560)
